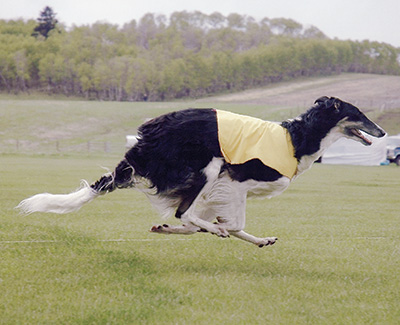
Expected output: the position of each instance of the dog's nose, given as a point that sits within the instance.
(382, 133)
(377, 131)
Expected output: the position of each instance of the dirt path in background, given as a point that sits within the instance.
(363, 90)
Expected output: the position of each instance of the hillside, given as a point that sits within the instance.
(365, 90)
(69, 127)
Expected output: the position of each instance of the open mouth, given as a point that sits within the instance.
(358, 134)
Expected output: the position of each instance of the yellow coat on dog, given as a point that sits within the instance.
(243, 138)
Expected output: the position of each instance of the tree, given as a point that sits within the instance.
(189, 54)
(149, 26)
(47, 22)
(286, 27)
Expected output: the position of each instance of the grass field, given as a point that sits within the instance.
(337, 260)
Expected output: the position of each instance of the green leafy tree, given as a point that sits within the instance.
(189, 54)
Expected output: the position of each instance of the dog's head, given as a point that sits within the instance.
(350, 121)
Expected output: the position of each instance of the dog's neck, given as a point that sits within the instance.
(309, 141)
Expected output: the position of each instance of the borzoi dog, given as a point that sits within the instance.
(200, 164)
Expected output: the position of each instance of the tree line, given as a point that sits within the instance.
(188, 54)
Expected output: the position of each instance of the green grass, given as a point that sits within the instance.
(337, 260)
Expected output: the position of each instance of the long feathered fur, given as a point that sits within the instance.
(58, 203)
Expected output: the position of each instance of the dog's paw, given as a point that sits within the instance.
(266, 241)
(160, 229)
(220, 231)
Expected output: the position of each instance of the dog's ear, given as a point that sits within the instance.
(332, 102)
(322, 99)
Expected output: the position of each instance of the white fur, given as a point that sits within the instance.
(58, 203)
(217, 198)
(165, 206)
(224, 199)
(266, 189)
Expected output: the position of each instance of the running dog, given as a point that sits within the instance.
(200, 164)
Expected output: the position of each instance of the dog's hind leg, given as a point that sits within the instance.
(228, 201)
(178, 230)
(187, 228)
(202, 210)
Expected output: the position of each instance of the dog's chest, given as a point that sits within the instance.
(266, 189)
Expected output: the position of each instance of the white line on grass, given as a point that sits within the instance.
(144, 240)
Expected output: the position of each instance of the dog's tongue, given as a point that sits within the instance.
(361, 136)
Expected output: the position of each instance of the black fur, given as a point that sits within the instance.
(310, 128)
(172, 151)
(252, 169)
(120, 178)
(174, 148)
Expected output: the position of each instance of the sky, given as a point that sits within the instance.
(375, 20)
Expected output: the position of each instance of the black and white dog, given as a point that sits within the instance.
(202, 163)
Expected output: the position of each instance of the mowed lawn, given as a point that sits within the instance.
(337, 259)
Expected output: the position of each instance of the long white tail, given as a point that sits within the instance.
(58, 203)
(122, 177)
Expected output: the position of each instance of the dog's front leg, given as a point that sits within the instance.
(260, 242)
(213, 228)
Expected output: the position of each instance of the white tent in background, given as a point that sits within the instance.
(349, 152)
